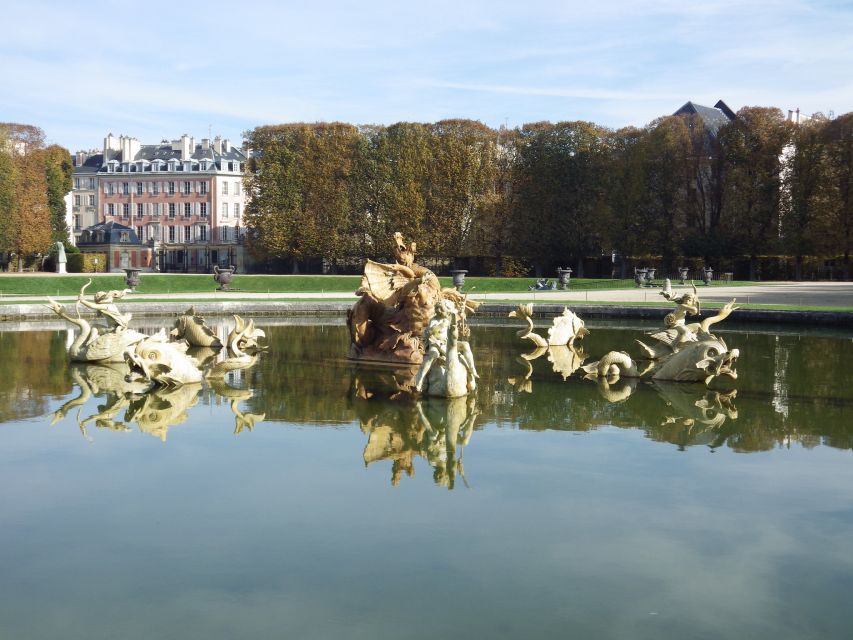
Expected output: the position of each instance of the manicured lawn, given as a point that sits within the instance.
(152, 284)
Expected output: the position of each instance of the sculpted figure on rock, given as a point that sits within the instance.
(396, 302)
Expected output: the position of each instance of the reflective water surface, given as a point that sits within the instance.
(307, 498)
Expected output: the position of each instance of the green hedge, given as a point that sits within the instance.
(85, 262)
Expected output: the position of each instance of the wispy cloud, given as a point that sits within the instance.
(172, 68)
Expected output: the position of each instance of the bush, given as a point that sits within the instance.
(85, 262)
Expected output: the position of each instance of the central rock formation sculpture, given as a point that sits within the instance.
(396, 303)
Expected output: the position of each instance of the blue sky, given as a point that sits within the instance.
(159, 69)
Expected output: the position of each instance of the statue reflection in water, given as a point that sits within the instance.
(155, 379)
(401, 428)
(681, 413)
(152, 408)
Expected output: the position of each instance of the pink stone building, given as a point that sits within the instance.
(185, 200)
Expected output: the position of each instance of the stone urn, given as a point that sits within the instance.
(639, 276)
(223, 276)
(650, 276)
(709, 274)
(564, 275)
(682, 273)
(131, 277)
(458, 278)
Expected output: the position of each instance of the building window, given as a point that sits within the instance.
(139, 187)
(237, 188)
(187, 187)
(111, 209)
(92, 200)
(125, 210)
(236, 209)
(77, 222)
(188, 209)
(202, 209)
(224, 209)
(76, 201)
(76, 183)
(92, 183)
(124, 237)
(171, 188)
(224, 234)
(110, 189)
(125, 188)
(156, 208)
(203, 187)
(171, 209)
(156, 188)
(187, 234)
(171, 234)
(139, 233)
(224, 188)
(230, 166)
(202, 233)
(139, 210)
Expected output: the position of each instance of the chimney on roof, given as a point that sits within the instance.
(186, 150)
(226, 146)
(111, 143)
(217, 144)
(205, 143)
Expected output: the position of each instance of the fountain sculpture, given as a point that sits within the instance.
(396, 302)
(682, 352)
(405, 318)
(157, 377)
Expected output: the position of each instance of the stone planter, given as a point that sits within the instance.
(458, 278)
(132, 278)
(639, 276)
(650, 276)
(223, 276)
(564, 275)
(709, 274)
(682, 273)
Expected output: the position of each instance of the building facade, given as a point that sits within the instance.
(184, 199)
(84, 192)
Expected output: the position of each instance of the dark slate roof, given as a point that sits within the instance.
(90, 165)
(712, 117)
(112, 234)
(164, 152)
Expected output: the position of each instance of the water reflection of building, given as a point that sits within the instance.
(780, 384)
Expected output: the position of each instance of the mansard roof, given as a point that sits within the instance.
(712, 117)
(164, 152)
(108, 233)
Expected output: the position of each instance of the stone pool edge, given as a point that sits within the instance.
(21, 312)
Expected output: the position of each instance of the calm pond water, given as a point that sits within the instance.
(304, 499)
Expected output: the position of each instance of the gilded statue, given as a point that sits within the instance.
(396, 302)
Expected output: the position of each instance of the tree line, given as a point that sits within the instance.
(34, 179)
(547, 194)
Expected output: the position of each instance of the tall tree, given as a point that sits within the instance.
(8, 179)
(752, 145)
(29, 228)
(560, 179)
(461, 182)
(838, 225)
(58, 170)
(300, 203)
(805, 190)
